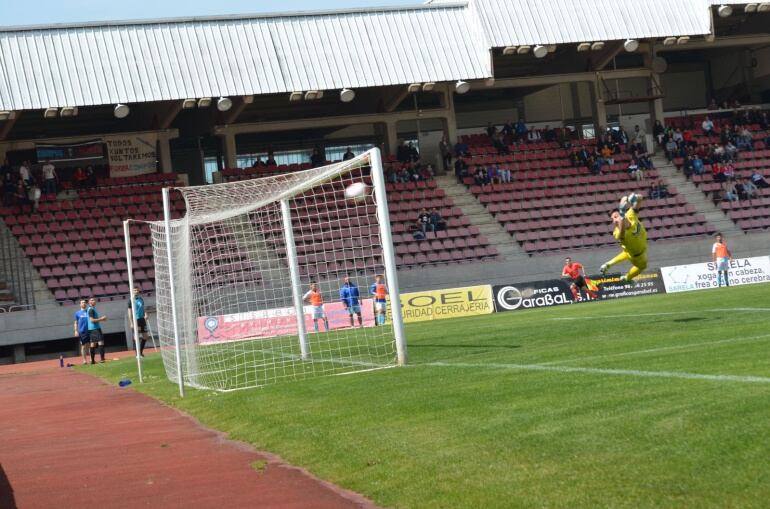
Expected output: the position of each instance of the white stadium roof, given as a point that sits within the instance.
(155, 60)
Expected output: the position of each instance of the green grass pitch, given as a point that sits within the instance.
(659, 401)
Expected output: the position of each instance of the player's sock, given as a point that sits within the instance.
(101, 352)
(575, 294)
(635, 271)
(727, 281)
(315, 325)
(326, 325)
(93, 356)
(360, 321)
(591, 294)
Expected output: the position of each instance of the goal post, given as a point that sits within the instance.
(233, 278)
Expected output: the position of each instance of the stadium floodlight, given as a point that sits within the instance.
(523, 50)
(413, 88)
(631, 45)
(509, 50)
(724, 11)
(763, 7)
(597, 46)
(428, 87)
(232, 272)
(683, 40)
(462, 87)
(752, 7)
(69, 111)
(540, 51)
(295, 96)
(669, 41)
(121, 110)
(189, 103)
(224, 103)
(551, 48)
(51, 113)
(5, 115)
(347, 95)
(311, 95)
(204, 102)
(584, 46)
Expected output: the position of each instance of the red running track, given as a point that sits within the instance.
(69, 440)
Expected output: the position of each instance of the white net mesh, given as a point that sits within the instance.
(236, 319)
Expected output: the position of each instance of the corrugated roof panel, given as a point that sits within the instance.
(518, 22)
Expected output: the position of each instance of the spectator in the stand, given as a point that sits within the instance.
(423, 221)
(412, 153)
(634, 170)
(718, 172)
(730, 151)
(725, 105)
(20, 193)
(759, 180)
(658, 131)
(713, 104)
(687, 138)
(491, 130)
(671, 149)
(348, 154)
(316, 158)
(594, 165)
(708, 126)
(697, 165)
(621, 136)
(259, 163)
(270, 161)
(638, 139)
(79, 178)
(576, 159)
(744, 139)
(390, 175)
(504, 173)
(50, 179)
(677, 136)
(729, 171)
(480, 177)
(728, 191)
(90, 177)
(8, 182)
(33, 195)
(436, 220)
(606, 154)
(521, 130)
(745, 189)
(534, 136)
(499, 142)
(25, 174)
(461, 148)
(687, 166)
(508, 129)
(658, 190)
(492, 175)
(461, 169)
(426, 172)
(446, 152)
(549, 134)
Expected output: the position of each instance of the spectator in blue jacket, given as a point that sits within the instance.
(349, 295)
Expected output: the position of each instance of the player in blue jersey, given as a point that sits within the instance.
(350, 297)
(95, 335)
(141, 318)
(81, 329)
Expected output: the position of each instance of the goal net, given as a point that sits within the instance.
(233, 279)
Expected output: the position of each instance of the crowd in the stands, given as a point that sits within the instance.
(25, 185)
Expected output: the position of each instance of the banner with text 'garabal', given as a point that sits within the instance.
(699, 276)
(449, 303)
(132, 154)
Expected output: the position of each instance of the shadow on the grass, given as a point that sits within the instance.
(7, 499)
(691, 319)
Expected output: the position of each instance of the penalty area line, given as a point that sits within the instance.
(605, 371)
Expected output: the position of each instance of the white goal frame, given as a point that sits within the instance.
(373, 160)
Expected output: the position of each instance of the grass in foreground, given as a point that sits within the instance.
(491, 412)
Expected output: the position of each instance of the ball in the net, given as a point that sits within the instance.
(358, 191)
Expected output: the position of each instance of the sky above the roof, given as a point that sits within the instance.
(45, 12)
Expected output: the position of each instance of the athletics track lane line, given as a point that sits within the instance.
(71, 440)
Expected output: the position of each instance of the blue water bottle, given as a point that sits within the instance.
(61, 361)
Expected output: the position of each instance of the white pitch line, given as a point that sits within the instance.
(602, 371)
(661, 349)
(634, 315)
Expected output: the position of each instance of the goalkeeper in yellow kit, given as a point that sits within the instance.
(630, 233)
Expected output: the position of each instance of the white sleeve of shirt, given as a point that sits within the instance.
(304, 297)
(714, 248)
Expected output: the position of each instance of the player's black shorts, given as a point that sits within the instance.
(579, 282)
(142, 324)
(95, 335)
(85, 338)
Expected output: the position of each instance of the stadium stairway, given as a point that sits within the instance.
(480, 217)
(23, 269)
(695, 196)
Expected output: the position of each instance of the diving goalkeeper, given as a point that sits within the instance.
(630, 233)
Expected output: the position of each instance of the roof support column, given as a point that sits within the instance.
(391, 137)
(164, 153)
(450, 122)
(656, 112)
(229, 149)
(599, 109)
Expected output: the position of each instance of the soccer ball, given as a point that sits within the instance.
(357, 192)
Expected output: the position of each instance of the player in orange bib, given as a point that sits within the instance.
(574, 271)
(317, 302)
(721, 257)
